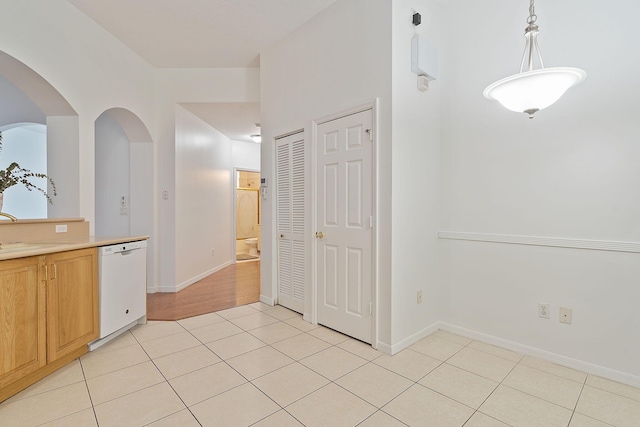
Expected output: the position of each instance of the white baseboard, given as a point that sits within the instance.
(569, 362)
(267, 300)
(399, 346)
(199, 277)
(383, 347)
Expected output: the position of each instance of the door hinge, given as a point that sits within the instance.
(371, 222)
(370, 132)
(370, 307)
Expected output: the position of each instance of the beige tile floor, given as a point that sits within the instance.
(263, 366)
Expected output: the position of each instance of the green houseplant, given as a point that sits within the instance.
(15, 174)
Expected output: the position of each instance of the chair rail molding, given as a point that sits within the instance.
(558, 242)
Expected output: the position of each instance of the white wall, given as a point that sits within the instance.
(246, 155)
(91, 69)
(27, 146)
(338, 60)
(203, 199)
(93, 72)
(570, 173)
(141, 202)
(415, 179)
(63, 165)
(16, 107)
(112, 177)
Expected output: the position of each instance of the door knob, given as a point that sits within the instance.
(319, 235)
(282, 236)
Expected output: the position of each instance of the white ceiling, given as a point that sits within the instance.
(237, 120)
(200, 33)
(204, 34)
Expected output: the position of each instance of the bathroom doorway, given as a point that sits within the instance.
(248, 213)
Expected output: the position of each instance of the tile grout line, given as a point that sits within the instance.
(577, 400)
(72, 413)
(475, 410)
(387, 414)
(86, 384)
(584, 384)
(493, 391)
(334, 381)
(505, 385)
(248, 381)
(318, 373)
(165, 380)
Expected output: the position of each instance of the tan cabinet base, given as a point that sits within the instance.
(19, 385)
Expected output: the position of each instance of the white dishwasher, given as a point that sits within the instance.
(122, 279)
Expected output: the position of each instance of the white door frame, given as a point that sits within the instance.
(373, 106)
(233, 208)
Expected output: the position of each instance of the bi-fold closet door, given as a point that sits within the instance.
(291, 221)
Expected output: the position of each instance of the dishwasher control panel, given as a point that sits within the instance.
(122, 247)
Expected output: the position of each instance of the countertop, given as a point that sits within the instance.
(4, 221)
(21, 250)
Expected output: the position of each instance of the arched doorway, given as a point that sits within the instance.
(124, 178)
(26, 97)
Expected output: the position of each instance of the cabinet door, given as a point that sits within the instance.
(72, 301)
(22, 318)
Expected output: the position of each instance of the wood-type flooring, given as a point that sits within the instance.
(238, 284)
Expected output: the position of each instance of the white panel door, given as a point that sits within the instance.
(290, 219)
(344, 224)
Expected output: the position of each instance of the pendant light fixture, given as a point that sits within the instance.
(532, 90)
(257, 138)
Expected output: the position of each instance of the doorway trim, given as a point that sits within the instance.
(233, 208)
(372, 105)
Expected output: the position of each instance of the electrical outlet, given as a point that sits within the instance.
(565, 315)
(419, 297)
(213, 252)
(543, 310)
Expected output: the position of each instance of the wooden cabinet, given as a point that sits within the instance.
(48, 314)
(22, 318)
(72, 301)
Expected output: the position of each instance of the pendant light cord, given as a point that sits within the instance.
(532, 13)
(531, 34)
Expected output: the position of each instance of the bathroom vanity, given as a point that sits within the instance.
(49, 300)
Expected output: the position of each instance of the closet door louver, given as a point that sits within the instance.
(291, 221)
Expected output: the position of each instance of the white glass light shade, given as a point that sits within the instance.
(531, 91)
(256, 138)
